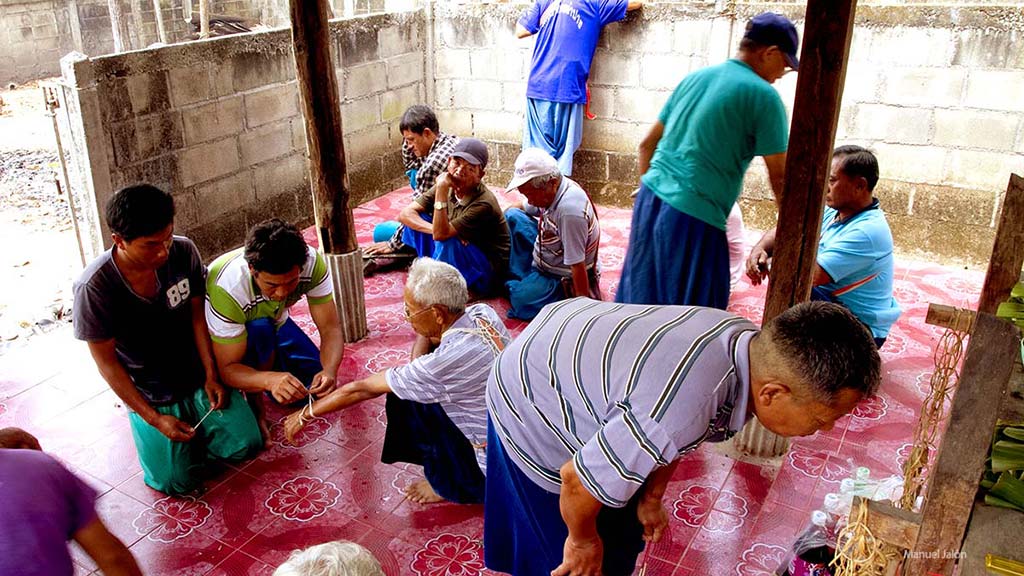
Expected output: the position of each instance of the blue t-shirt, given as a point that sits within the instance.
(567, 32)
(716, 121)
(857, 254)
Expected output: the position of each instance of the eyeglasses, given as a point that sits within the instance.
(409, 316)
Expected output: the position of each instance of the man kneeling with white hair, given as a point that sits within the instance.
(437, 415)
(339, 558)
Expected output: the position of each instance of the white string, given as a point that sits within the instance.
(204, 418)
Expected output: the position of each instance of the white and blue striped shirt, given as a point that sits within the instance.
(454, 375)
(620, 388)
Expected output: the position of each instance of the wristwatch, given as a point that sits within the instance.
(440, 205)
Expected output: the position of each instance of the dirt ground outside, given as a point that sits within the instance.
(39, 258)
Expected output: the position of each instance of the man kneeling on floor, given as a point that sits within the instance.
(437, 416)
(555, 258)
(459, 221)
(140, 308)
(259, 348)
(593, 404)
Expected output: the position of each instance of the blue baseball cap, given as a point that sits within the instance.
(771, 29)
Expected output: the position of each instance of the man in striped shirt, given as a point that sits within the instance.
(594, 403)
(248, 294)
(437, 416)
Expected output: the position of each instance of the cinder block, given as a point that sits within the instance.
(910, 46)
(476, 94)
(984, 170)
(893, 124)
(497, 126)
(143, 138)
(459, 122)
(989, 48)
(644, 36)
(948, 204)
(148, 92)
(861, 83)
(270, 104)
(443, 94)
(361, 81)
(623, 168)
(230, 194)
(940, 87)
(358, 45)
(692, 37)
(465, 32)
(996, 90)
(610, 68)
(602, 101)
(394, 103)
(287, 174)
(405, 69)
(484, 63)
(366, 144)
(299, 134)
(638, 105)
(514, 65)
(665, 71)
(513, 97)
(964, 128)
(922, 164)
(613, 136)
(266, 142)
(258, 69)
(208, 161)
(452, 63)
(590, 165)
(213, 120)
(186, 210)
(396, 40)
(360, 113)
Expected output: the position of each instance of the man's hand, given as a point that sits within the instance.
(215, 393)
(286, 388)
(293, 423)
(173, 428)
(377, 248)
(323, 383)
(757, 265)
(18, 439)
(652, 515)
(581, 558)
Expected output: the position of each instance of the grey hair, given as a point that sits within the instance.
(338, 558)
(828, 347)
(543, 180)
(432, 282)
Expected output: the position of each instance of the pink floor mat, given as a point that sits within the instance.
(726, 517)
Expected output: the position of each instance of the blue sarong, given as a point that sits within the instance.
(556, 128)
(423, 434)
(524, 533)
(529, 290)
(291, 348)
(467, 258)
(673, 258)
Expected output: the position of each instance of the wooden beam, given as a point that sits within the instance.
(1007, 251)
(204, 19)
(890, 524)
(954, 476)
(819, 92)
(318, 91)
(161, 30)
(118, 26)
(946, 316)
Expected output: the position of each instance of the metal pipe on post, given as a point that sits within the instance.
(321, 110)
(160, 29)
(204, 19)
(118, 27)
(819, 92)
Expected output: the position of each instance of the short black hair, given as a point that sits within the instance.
(828, 347)
(275, 247)
(858, 162)
(418, 118)
(140, 210)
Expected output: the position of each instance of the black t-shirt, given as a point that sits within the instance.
(479, 221)
(153, 338)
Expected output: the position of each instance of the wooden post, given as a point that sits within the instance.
(138, 38)
(1008, 250)
(118, 26)
(953, 477)
(819, 91)
(321, 109)
(75, 23)
(204, 19)
(160, 29)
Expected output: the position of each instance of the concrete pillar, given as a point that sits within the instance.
(347, 276)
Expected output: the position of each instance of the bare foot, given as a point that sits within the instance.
(421, 492)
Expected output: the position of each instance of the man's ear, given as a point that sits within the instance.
(117, 239)
(772, 391)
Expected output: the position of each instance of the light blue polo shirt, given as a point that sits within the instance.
(857, 254)
(716, 121)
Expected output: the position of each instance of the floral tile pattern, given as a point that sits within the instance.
(726, 518)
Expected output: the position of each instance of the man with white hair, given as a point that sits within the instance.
(437, 415)
(555, 256)
(339, 558)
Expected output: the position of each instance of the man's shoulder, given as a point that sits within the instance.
(226, 267)
(98, 273)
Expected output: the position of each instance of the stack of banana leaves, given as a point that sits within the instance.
(1003, 481)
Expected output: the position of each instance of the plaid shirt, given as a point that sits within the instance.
(429, 167)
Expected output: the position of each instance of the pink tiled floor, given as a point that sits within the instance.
(727, 517)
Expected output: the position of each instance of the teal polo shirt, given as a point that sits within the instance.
(716, 121)
(857, 254)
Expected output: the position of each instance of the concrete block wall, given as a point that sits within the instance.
(936, 90)
(218, 123)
